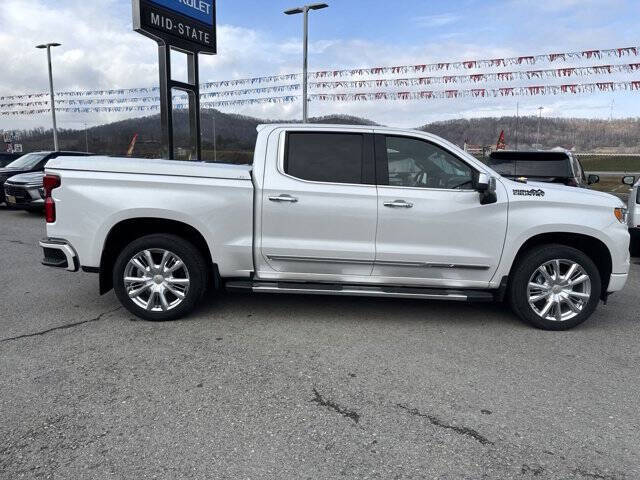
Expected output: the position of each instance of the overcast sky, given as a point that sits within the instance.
(100, 51)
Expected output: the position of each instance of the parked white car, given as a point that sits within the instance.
(633, 217)
(336, 210)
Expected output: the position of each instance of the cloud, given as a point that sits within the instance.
(100, 51)
(436, 21)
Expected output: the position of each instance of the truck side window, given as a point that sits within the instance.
(417, 163)
(325, 156)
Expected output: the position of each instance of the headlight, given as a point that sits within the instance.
(621, 214)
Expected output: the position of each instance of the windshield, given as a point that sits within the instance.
(29, 160)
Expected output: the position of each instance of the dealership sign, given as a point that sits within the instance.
(187, 24)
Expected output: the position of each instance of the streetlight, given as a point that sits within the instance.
(53, 105)
(305, 10)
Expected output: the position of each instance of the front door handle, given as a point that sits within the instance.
(398, 204)
(284, 198)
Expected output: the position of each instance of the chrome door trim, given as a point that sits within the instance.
(292, 258)
(455, 190)
(454, 265)
(386, 263)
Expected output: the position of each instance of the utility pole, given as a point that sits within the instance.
(86, 138)
(611, 113)
(539, 119)
(305, 47)
(517, 122)
(48, 46)
(215, 139)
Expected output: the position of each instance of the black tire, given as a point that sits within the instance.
(525, 268)
(191, 257)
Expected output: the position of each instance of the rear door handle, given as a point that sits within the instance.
(398, 204)
(283, 198)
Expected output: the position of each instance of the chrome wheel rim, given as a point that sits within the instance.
(558, 290)
(156, 280)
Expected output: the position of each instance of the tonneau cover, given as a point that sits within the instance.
(151, 167)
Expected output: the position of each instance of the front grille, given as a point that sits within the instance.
(19, 193)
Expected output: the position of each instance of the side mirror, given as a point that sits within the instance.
(486, 185)
(483, 182)
(629, 180)
(591, 179)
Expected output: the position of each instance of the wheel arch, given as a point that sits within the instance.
(593, 247)
(128, 230)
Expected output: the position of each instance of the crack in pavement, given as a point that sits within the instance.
(335, 407)
(533, 470)
(18, 242)
(469, 432)
(596, 475)
(61, 327)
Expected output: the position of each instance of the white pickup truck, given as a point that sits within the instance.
(633, 216)
(335, 210)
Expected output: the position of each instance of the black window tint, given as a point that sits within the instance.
(325, 157)
(417, 163)
(504, 167)
(544, 168)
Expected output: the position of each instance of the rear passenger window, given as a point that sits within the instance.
(325, 157)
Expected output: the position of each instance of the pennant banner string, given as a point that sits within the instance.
(103, 101)
(430, 67)
(155, 107)
(480, 92)
(397, 82)
(373, 96)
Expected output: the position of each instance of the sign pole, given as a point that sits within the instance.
(194, 104)
(166, 101)
(187, 27)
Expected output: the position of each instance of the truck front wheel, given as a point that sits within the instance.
(555, 287)
(159, 277)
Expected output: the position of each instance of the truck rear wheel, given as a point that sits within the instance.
(555, 287)
(159, 277)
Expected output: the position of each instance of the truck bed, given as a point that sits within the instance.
(152, 167)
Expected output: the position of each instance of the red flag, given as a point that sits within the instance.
(501, 145)
(132, 145)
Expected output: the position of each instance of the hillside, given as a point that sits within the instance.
(233, 132)
(619, 136)
(236, 134)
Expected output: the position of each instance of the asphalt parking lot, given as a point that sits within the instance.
(293, 387)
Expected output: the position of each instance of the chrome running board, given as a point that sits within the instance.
(361, 290)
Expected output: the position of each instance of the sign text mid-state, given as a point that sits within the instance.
(187, 24)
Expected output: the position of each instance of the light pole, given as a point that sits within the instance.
(86, 138)
(305, 10)
(53, 104)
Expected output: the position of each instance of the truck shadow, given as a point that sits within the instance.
(357, 309)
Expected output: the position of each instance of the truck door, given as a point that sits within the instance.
(432, 229)
(319, 206)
